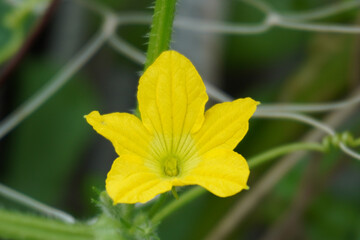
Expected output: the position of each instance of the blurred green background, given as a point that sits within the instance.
(55, 157)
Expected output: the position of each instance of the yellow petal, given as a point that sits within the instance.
(171, 98)
(125, 131)
(221, 171)
(225, 125)
(130, 181)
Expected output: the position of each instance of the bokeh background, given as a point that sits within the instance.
(55, 157)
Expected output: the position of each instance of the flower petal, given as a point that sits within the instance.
(225, 125)
(171, 98)
(124, 130)
(221, 171)
(130, 181)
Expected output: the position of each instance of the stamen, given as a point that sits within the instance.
(171, 168)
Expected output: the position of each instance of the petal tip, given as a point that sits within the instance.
(253, 101)
(95, 115)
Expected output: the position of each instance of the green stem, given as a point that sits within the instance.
(157, 205)
(356, 142)
(174, 193)
(161, 29)
(176, 204)
(279, 151)
(32, 203)
(253, 163)
(23, 226)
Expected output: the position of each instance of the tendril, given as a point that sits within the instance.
(334, 141)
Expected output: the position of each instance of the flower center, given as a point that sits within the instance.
(171, 168)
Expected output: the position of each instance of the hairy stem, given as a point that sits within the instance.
(161, 29)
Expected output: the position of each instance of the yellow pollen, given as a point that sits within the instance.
(171, 168)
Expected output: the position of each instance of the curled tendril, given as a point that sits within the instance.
(333, 142)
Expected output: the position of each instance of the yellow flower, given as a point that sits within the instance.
(175, 143)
